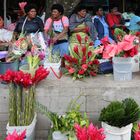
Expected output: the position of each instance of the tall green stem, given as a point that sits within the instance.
(12, 105)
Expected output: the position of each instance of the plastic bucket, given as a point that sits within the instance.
(54, 69)
(136, 63)
(57, 135)
(122, 68)
(115, 133)
(30, 129)
(13, 65)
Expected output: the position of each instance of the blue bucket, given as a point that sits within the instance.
(13, 65)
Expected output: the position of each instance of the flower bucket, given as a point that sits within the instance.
(136, 63)
(30, 129)
(57, 135)
(13, 65)
(25, 69)
(54, 69)
(115, 133)
(122, 68)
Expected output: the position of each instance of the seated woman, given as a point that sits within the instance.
(101, 25)
(5, 35)
(114, 19)
(29, 23)
(57, 25)
(80, 21)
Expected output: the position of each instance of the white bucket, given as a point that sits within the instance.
(122, 68)
(115, 133)
(136, 63)
(54, 68)
(57, 135)
(30, 129)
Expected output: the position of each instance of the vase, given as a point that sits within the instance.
(13, 65)
(115, 133)
(30, 129)
(122, 68)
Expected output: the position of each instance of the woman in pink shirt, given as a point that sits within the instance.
(57, 27)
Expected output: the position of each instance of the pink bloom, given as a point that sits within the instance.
(84, 67)
(99, 50)
(71, 70)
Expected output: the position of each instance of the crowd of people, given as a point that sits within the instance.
(62, 30)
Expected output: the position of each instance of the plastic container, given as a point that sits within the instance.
(13, 65)
(30, 129)
(54, 69)
(122, 68)
(115, 133)
(57, 135)
(136, 63)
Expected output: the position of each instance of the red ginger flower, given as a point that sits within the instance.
(40, 74)
(79, 38)
(71, 70)
(84, 50)
(89, 133)
(8, 76)
(15, 136)
(76, 49)
(81, 72)
(84, 67)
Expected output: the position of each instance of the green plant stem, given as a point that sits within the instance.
(19, 105)
(12, 105)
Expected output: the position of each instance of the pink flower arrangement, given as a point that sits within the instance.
(81, 62)
(15, 136)
(137, 133)
(127, 47)
(89, 133)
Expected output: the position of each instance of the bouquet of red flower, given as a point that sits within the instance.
(89, 133)
(81, 62)
(22, 94)
(127, 46)
(15, 136)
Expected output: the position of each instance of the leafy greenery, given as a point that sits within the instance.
(120, 114)
(65, 123)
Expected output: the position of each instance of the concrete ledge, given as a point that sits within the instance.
(95, 92)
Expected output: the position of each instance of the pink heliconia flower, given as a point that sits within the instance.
(128, 42)
(15, 136)
(105, 41)
(99, 50)
(22, 5)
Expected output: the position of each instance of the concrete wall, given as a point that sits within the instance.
(56, 94)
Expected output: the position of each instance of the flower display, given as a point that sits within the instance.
(22, 94)
(89, 133)
(127, 46)
(16, 136)
(81, 62)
